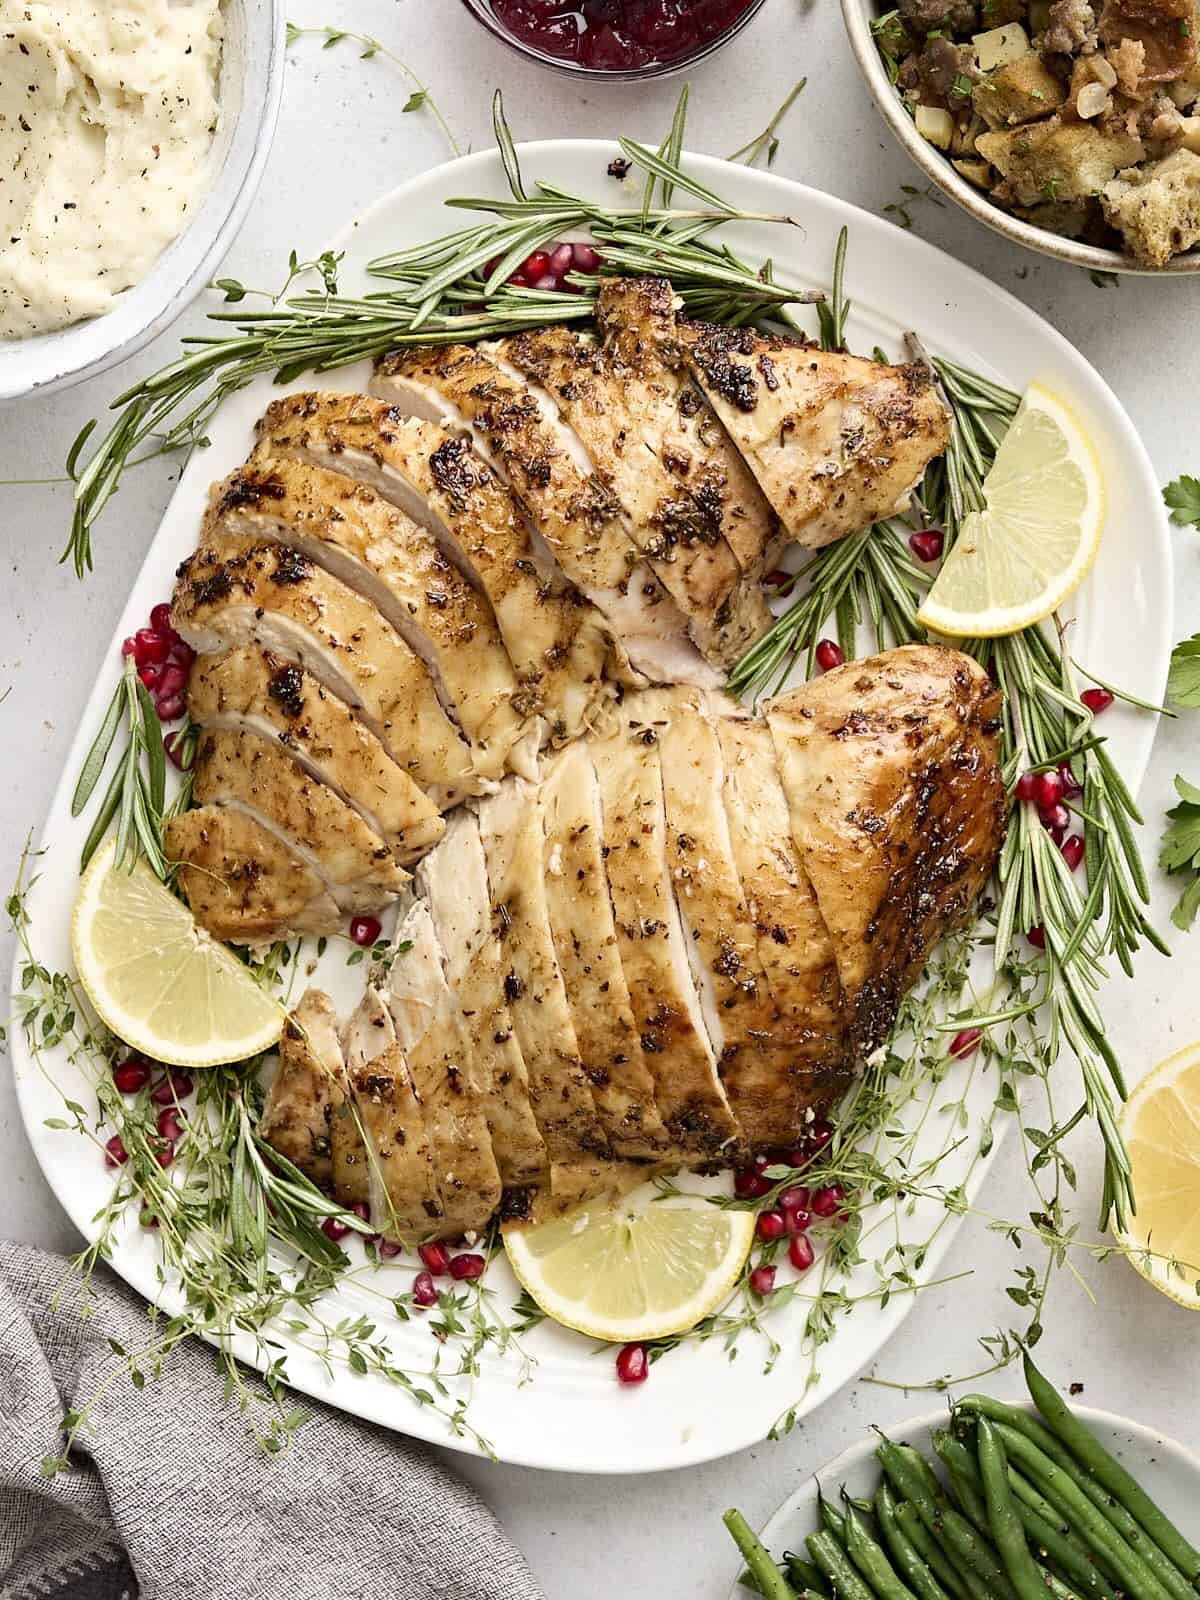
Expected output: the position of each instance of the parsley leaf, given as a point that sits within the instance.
(1183, 497)
(1181, 851)
(1183, 681)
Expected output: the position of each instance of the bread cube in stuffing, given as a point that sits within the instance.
(1056, 160)
(1157, 208)
(1021, 91)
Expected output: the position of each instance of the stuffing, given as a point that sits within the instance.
(1157, 208)
(1164, 29)
(1058, 161)
(1022, 91)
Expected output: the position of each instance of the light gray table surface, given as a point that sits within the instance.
(342, 141)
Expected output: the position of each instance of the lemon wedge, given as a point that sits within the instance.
(1017, 560)
(158, 981)
(1161, 1125)
(648, 1268)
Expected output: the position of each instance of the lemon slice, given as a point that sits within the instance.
(1017, 560)
(645, 1269)
(1161, 1125)
(158, 981)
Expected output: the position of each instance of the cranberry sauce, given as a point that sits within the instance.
(617, 35)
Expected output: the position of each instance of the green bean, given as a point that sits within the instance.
(1091, 1454)
(964, 1477)
(803, 1574)
(831, 1518)
(872, 1561)
(829, 1556)
(950, 1527)
(1061, 1489)
(771, 1582)
(1110, 1508)
(917, 1572)
(1043, 1515)
(908, 1520)
(1008, 1534)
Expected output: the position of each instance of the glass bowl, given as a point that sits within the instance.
(482, 11)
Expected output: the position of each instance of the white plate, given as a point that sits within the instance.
(697, 1405)
(1169, 1474)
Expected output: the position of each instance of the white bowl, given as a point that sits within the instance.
(249, 91)
(1168, 1472)
(858, 15)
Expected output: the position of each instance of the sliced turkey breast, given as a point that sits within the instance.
(755, 1054)
(636, 320)
(585, 940)
(518, 430)
(371, 547)
(310, 1081)
(453, 882)
(386, 1111)
(249, 690)
(234, 591)
(556, 641)
(836, 441)
(620, 416)
(429, 1030)
(794, 947)
(241, 882)
(513, 837)
(650, 942)
(897, 805)
(254, 776)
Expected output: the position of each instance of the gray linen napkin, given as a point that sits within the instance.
(167, 1498)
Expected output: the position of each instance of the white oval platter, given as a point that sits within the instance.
(569, 1414)
(1169, 1474)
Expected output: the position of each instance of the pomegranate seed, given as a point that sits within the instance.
(160, 617)
(800, 1252)
(829, 655)
(490, 266)
(1071, 787)
(771, 1225)
(1096, 700)
(777, 577)
(800, 1157)
(1037, 937)
(181, 653)
(535, 266)
(334, 1228)
(389, 1249)
(633, 1365)
(962, 1045)
(165, 1154)
(424, 1292)
(548, 281)
(150, 647)
(585, 258)
(171, 1087)
(169, 1125)
(149, 677)
(820, 1134)
(466, 1267)
(762, 1281)
(750, 1185)
(436, 1257)
(131, 1075)
(1026, 786)
(127, 646)
(1072, 850)
(172, 679)
(361, 1210)
(828, 1201)
(562, 260)
(177, 754)
(170, 707)
(365, 930)
(927, 546)
(1047, 789)
(1056, 819)
(115, 1153)
(798, 1220)
(794, 1199)
(519, 280)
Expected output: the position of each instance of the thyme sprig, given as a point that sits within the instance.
(370, 48)
(443, 293)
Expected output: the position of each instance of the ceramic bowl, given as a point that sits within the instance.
(1168, 1472)
(250, 87)
(482, 12)
(858, 15)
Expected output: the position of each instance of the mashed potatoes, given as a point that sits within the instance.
(107, 114)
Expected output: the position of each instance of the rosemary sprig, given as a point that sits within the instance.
(440, 294)
(136, 792)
